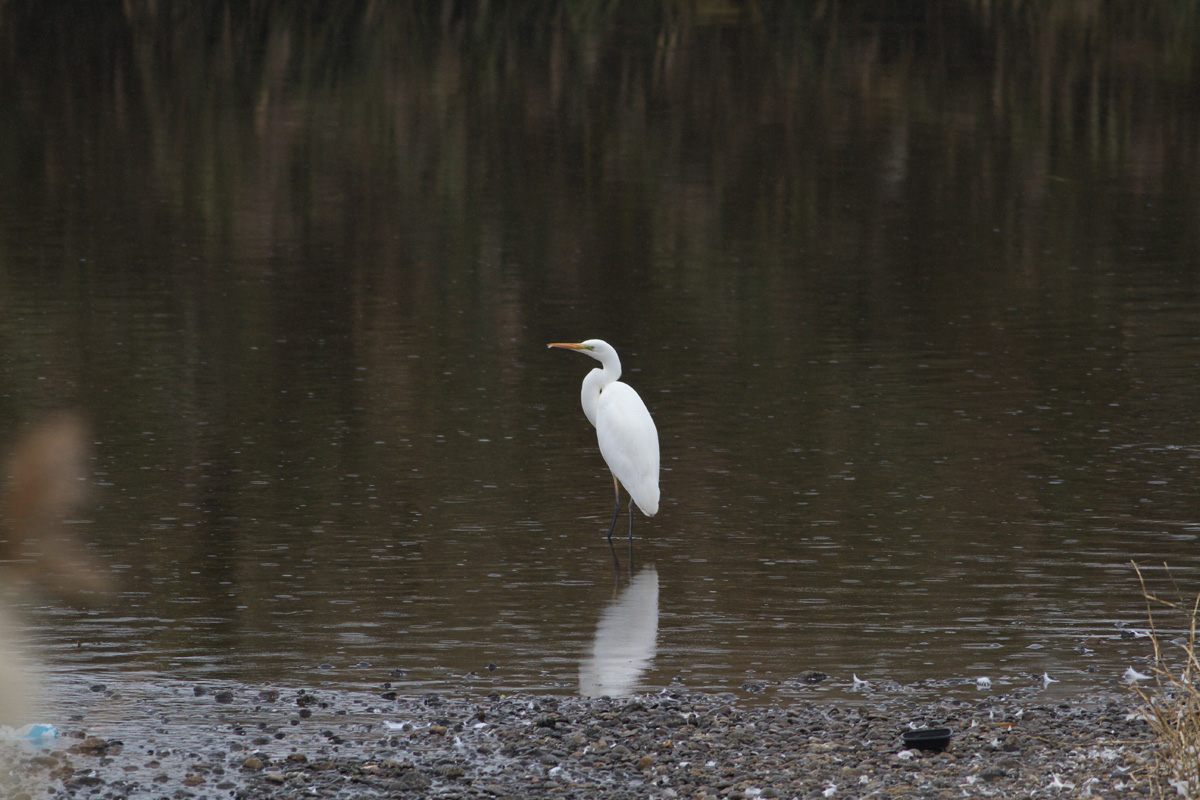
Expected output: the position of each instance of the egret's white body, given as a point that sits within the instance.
(626, 433)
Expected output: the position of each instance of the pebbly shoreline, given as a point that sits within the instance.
(236, 741)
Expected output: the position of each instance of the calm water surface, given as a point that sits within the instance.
(920, 337)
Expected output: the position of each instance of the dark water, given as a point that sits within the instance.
(914, 300)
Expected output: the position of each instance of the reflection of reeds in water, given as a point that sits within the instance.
(37, 551)
(1172, 705)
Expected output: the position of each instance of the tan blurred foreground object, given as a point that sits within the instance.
(46, 482)
(47, 477)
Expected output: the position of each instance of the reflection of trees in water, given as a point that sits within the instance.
(644, 136)
(633, 128)
(597, 71)
(249, 113)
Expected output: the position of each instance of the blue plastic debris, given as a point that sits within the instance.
(38, 733)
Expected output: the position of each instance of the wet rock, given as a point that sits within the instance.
(92, 746)
(414, 781)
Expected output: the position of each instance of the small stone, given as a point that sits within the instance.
(193, 780)
(253, 763)
(223, 696)
(81, 781)
(274, 777)
(438, 730)
(645, 762)
(92, 746)
(414, 780)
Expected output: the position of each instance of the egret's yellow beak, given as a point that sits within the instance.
(569, 346)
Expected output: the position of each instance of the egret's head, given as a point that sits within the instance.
(596, 348)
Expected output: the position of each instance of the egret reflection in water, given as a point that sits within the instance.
(625, 641)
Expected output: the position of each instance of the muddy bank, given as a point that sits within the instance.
(230, 741)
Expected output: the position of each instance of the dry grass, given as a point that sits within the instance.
(1173, 700)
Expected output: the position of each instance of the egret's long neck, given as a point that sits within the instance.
(595, 382)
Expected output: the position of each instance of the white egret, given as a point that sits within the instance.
(626, 433)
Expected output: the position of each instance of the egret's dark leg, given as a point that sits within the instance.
(617, 509)
(616, 563)
(631, 537)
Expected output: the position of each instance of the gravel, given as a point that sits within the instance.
(150, 739)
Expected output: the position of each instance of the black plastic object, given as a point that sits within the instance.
(932, 739)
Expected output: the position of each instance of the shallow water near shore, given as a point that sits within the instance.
(919, 336)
